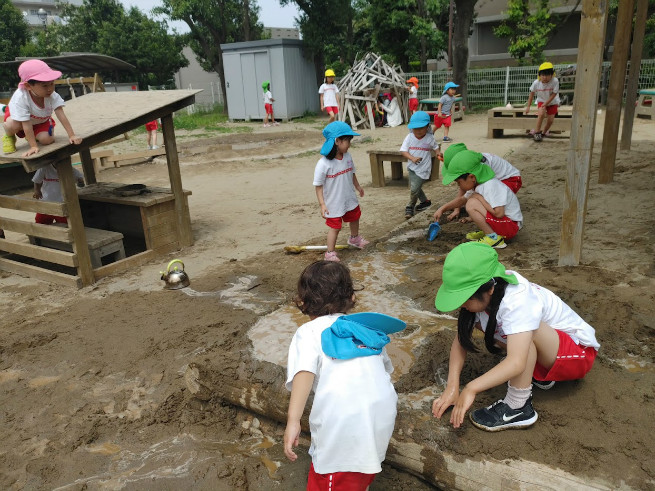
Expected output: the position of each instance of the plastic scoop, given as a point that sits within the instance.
(433, 230)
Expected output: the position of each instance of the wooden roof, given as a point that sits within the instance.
(99, 117)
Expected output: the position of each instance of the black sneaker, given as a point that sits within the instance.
(538, 137)
(543, 384)
(409, 212)
(499, 416)
(424, 205)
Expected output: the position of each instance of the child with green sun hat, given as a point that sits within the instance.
(490, 204)
(543, 338)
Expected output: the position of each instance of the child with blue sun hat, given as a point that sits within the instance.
(443, 116)
(335, 182)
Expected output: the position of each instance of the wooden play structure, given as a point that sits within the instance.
(645, 107)
(360, 87)
(104, 223)
(378, 157)
(500, 119)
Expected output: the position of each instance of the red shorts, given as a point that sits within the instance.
(49, 219)
(350, 216)
(413, 104)
(152, 126)
(552, 109)
(268, 108)
(514, 183)
(338, 481)
(572, 363)
(332, 109)
(38, 128)
(438, 122)
(504, 226)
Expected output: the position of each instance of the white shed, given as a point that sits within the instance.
(293, 82)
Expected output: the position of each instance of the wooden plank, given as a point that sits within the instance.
(156, 219)
(62, 234)
(136, 155)
(41, 253)
(40, 273)
(166, 228)
(87, 165)
(377, 171)
(615, 92)
(164, 240)
(633, 77)
(590, 50)
(35, 205)
(185, 233)
(80, 247)
(125, 264)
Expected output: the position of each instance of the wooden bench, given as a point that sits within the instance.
(101, 243)
(378, 157)
(502, 118)
(430, 106)
(135, 157)
(646, 104)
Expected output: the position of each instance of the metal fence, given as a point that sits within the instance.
(489, 87)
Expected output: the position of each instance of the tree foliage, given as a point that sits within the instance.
(212, 23)
(14, 34)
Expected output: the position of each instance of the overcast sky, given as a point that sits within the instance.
(271, 14)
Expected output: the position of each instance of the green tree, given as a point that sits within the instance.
(212, 23)
(15, 34)
(529, 26)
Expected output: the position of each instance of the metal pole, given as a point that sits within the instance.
(430, 91)
(506, 83)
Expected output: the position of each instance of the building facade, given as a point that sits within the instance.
(38, 13)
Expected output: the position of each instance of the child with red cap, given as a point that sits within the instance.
(29, 113)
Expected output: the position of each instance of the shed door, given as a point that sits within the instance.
(255, 69)
(234, 86)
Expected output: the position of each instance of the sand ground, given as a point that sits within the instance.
(92, 381)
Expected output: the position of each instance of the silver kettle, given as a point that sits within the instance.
(177, 278)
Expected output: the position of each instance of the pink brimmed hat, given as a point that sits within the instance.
(36, 70)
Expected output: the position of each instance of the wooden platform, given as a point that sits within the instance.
(646, 104)
(430, 106)
(502, 118)
(378, 157)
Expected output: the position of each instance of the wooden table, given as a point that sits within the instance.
(503, 118)
(430, 106)
(378, 157)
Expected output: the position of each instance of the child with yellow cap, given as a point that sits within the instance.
(329, 95)
(546, 89)
(490, 204)
(544, 339)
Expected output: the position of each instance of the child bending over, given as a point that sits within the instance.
(343, 360)
(543, 338)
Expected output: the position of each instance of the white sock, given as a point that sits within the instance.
(516, 398)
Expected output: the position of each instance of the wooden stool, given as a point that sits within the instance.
(378, 158)
(101, 243)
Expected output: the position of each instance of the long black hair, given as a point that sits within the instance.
(466, 319)
(335, 149)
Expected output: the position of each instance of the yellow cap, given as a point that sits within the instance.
(329, 73)
(547, 65)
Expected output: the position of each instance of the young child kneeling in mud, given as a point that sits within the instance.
(343, 359)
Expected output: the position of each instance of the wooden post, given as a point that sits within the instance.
(633, 77)
(590, 50)
(75, 223)
(181, 208)
(615, 95)
(87, 165)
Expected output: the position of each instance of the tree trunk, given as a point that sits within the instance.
(246, 20)
(463, 20)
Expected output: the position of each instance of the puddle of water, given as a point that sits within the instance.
(238, 294)
(140, 389)
(635, 364)
(377, 274)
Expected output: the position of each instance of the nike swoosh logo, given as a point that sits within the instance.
(510, 418)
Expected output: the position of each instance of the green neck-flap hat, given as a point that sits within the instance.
(466, 268)
(266, 85)
(450, 152)
(467, 162)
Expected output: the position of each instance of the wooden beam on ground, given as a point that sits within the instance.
(181, 209)
(87, 165)
(615, 93)
(633, 77)
(590, 51)
(80, 247)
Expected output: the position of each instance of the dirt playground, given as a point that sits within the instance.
(94, 384)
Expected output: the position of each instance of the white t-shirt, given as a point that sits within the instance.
(498, 194)
(336, 177)
(413, 92)
(354, 409)
(526, 305)
(51, 189)
(501, 167)
(329, 92)
(420, 148)
(544, 90)
(268, 97)
(23, 108)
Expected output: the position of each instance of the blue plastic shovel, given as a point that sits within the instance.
(433, 231)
